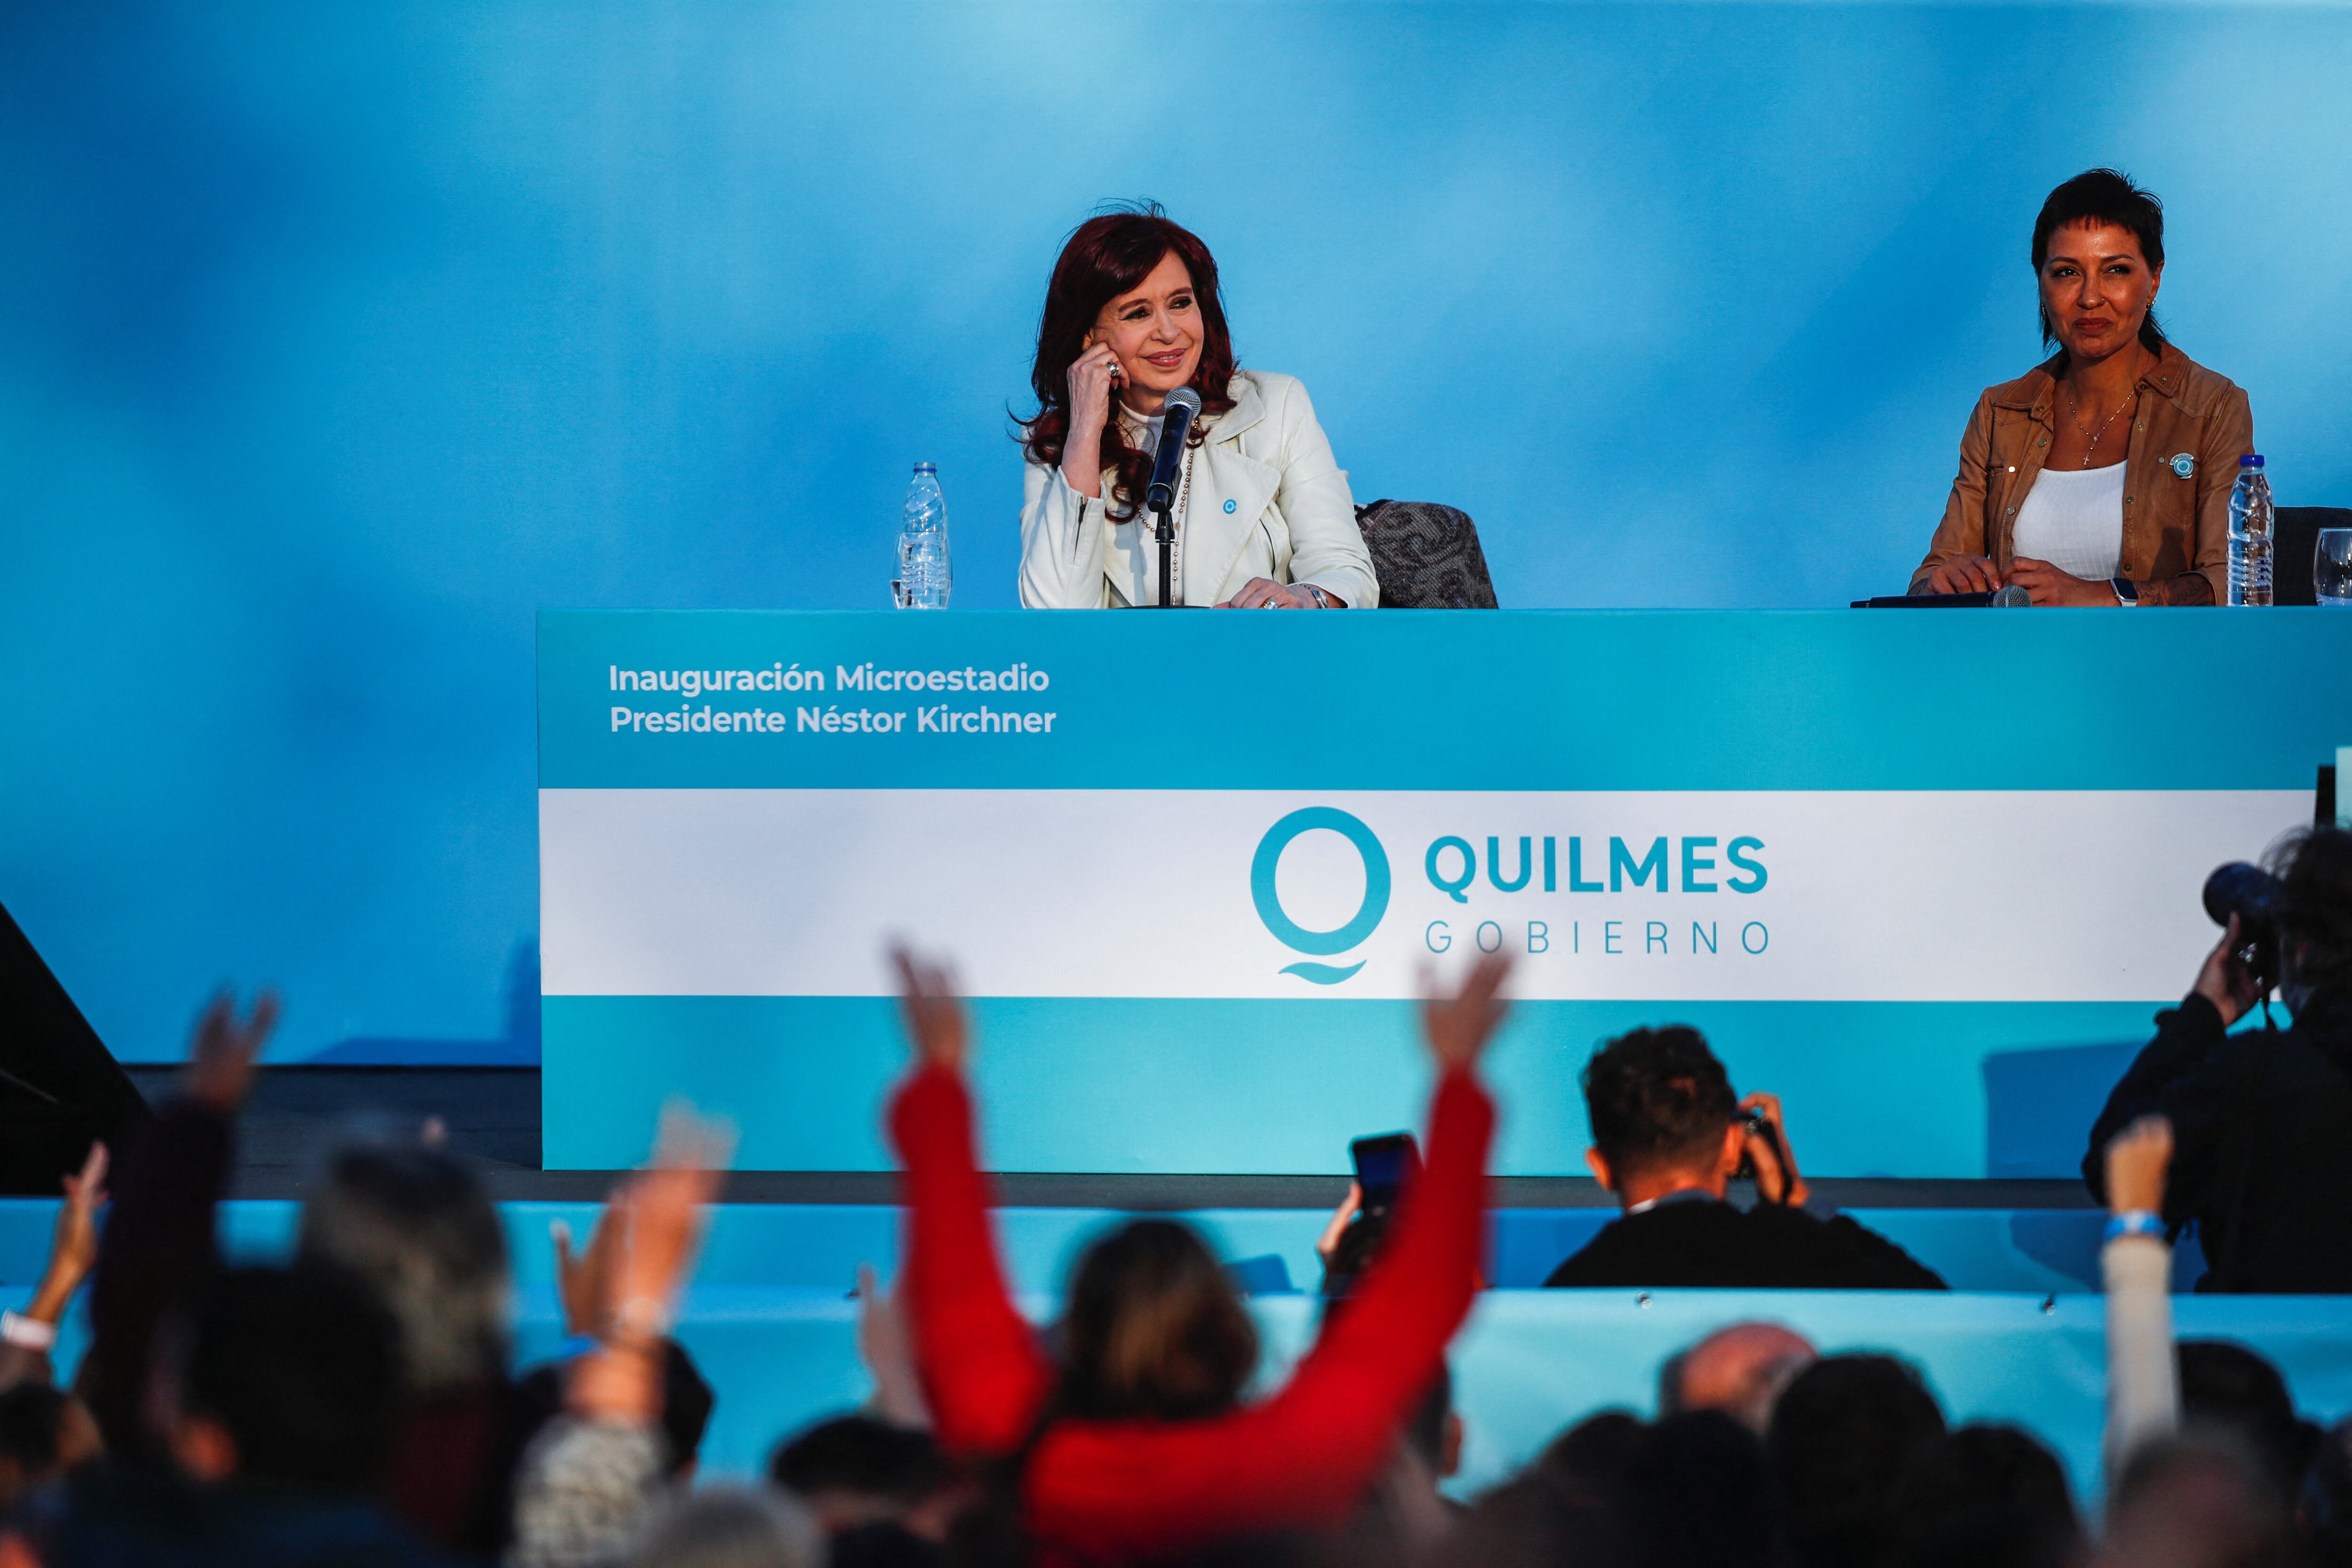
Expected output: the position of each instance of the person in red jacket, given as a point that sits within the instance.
(1138, 1443)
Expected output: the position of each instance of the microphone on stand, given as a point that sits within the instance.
(2009, 598)
(1183, 407)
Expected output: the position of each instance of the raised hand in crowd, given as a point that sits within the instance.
(887, 1349)
(1768, 1153)
(26, 1337)
(934, 1013)
(2223, 981)
(2137, 1158)
(221, 1059)
(584, 1278)
(656, 1218)
(1459, 1028)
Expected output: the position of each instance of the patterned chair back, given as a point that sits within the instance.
(1425, 555)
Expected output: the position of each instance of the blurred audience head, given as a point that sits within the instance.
(1691, 1491)
(686, 1404)
(2229, 1389)
(1154, 1328)
(1738, 1370)
(1988, 1494)
(1660, 1105)
(1550, 1515)
(416, 1226)
(1699, 1495)
(1843, 1439)
(2324, 1507)
(2197, 1500)
(287, 1376)
(729, 1527)
(855, 1470)
(2314, 871)
(44, 1433)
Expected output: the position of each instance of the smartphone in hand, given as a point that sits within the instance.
(1385, 1165)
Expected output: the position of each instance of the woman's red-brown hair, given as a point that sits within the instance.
(1106, 256)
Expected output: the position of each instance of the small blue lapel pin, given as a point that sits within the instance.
(2183, 463)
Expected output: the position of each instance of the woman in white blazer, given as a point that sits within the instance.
(1263, 520)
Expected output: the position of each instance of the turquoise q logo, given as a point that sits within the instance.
(1288, 932)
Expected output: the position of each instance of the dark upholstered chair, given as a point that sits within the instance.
(1427, 556)
(2294, 539)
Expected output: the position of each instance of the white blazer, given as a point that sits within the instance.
(1267, 500)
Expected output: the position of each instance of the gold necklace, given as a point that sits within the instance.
(2075, 409)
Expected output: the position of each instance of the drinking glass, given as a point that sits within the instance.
(2331, 567)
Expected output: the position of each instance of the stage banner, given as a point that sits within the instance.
(1927, 875)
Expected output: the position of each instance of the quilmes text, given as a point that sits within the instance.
(1706, 863)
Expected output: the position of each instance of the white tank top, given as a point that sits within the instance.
(2073, 519)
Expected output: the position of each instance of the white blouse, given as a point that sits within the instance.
(2073, 519)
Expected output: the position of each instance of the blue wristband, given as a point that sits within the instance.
(2135, 1222)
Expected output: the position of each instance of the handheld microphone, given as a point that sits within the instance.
(2010, 598)
(1183, 407)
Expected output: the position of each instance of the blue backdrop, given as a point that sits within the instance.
(336, 341)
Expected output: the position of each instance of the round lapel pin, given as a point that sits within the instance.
(2183, 463)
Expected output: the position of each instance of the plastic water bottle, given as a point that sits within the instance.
(924, 575)
(2250, 534)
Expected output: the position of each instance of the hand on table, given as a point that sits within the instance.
(2045, 584)
(1965, 574)
(2223, 981)
(2137, 1158)
(1264, 593)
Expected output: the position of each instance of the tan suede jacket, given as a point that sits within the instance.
(2191, 428)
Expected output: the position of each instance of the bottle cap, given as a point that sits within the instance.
(2250, 460)
(933, 467)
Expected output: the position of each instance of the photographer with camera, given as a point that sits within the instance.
(2263, 1160)
(1668, 1138)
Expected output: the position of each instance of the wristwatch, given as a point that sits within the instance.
(1322, 600)
(2126, 591)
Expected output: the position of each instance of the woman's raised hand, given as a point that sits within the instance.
(1965, 574)
(221, 1059)
(2137, 1158)
(1094, 381)
(934, 1013)
(1459, 1026)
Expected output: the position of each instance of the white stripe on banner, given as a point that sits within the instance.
(2088, 895)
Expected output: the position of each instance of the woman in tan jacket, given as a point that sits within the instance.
(2102, 477)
